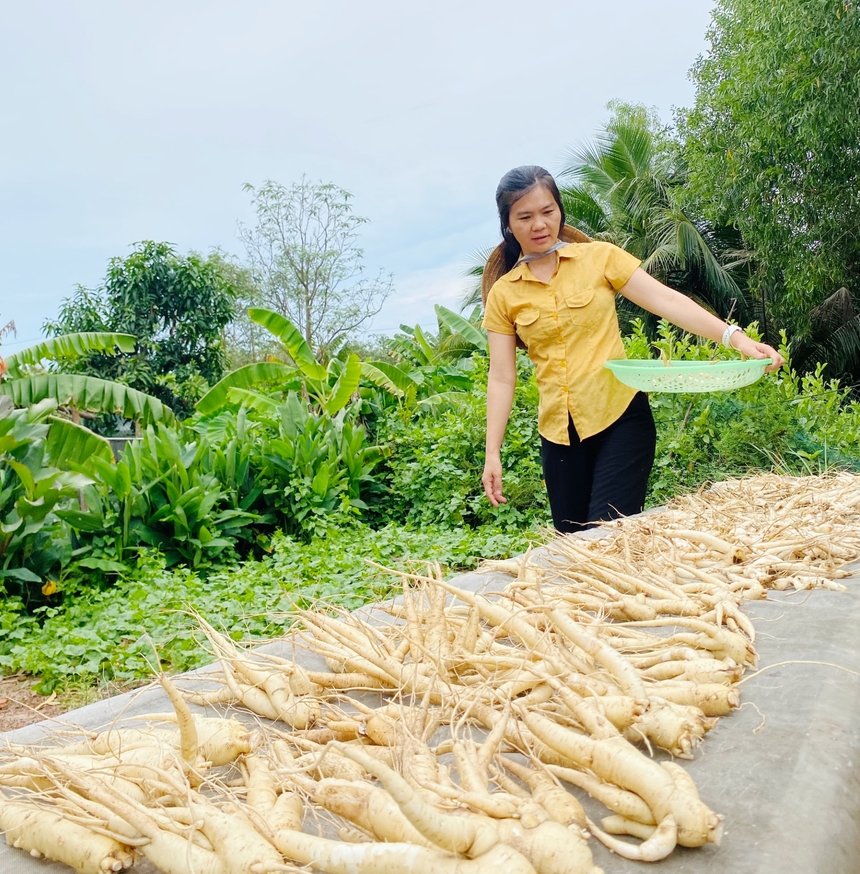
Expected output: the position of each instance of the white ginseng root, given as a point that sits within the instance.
(48, 833)
(617, 761)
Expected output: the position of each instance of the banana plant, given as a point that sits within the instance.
(458, 338)
(432, 370)
(463, 334)
(329, 388)
(67, 347)
(389, 377)
(27, 383)
(33, 489)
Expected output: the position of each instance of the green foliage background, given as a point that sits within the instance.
(773, 146)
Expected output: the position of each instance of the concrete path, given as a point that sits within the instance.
(784, 769)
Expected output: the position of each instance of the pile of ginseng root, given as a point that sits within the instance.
(448, 731)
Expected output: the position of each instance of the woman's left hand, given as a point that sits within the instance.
(754, 349)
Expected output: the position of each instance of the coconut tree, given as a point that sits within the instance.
(833, 338)
(626, 188)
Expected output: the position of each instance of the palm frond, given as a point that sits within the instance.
(584, 211)
(474, 269)
(839, 350)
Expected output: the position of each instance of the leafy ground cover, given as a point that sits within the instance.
(792, 423)
(143, 622)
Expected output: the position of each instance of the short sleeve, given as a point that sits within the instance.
(620, 266)
(495, 318)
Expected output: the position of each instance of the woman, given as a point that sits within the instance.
(553, 291)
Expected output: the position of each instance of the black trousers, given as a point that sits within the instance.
(604, 476)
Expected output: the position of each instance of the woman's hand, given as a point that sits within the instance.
(753, 349)
(492, 480)
(500, 395)
(650, 294)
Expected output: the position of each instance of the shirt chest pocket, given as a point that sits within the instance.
(529, 324)
(582, 307)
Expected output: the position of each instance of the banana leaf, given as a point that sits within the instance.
(387, 376)
(243, 377)
(69, 346)
(292, 338)
(72, 445)
(253, 400)
(456, 324)
(345, 387)
(87, 393)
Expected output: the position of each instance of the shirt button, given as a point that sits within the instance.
(555, 315)
(564, 388)
(564, 364)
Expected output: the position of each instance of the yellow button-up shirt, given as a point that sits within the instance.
(570, 328)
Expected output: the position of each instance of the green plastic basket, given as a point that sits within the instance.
(687, 376)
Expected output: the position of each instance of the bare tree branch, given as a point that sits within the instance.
(302, 253)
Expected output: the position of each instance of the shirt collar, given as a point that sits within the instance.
(521, 271)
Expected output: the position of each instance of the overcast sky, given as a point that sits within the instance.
(125, 121)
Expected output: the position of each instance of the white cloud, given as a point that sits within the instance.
(415, 296)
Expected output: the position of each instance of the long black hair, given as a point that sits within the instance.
(514, 184)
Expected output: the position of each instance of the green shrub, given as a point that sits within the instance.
(34, 541)
(795, 424)
(162, 493)
(315, 470)
(433, 473)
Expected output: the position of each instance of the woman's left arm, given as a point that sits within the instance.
(650, 294)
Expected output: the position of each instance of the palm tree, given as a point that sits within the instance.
(626, 188)
(833, 338)
(473, 271)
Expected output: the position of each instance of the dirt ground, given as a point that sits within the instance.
(20, 705)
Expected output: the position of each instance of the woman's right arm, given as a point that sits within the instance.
(500, 397)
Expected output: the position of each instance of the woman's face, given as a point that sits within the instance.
(535, 220)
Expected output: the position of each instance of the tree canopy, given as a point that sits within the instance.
(175, 306)
(773, 144)
(303, 255)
